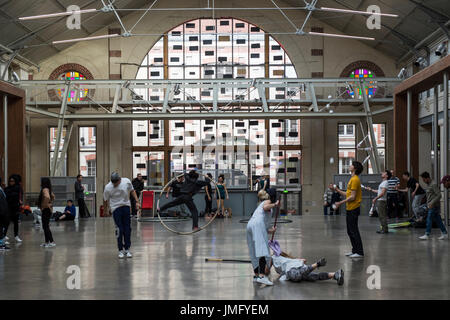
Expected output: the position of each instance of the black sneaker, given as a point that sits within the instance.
(322, 262)
(339, 277)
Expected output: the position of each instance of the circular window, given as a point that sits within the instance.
(362, 70)
(71, 72)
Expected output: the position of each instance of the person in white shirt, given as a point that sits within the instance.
(117, 195)
(381, 201)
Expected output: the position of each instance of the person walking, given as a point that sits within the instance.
(433, 194)
(380, 201)
(417, 193)
(392, 196)
(353, 197)
(117, 195)
(14, 198)
(79, 195)
(4, 212)
(138, 185)
(45, 203)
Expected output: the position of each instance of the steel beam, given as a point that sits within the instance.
(408, 130)
(59, 132)
(373, 141)
(116, 98)
(435, 129)
(312, 93)
(262, 96)
(5, 134)
(445, 144)
(61, 158)
(166, 99)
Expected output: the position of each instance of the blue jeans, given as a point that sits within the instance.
(435, 214)
(123, 227)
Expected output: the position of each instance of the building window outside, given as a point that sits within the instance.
(346, 147)
(380, 136)
(87, 151)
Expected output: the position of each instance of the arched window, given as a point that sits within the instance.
(362, 70)
(224, 48)
(71, 71)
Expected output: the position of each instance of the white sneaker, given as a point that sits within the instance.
(264, 280)
(121, 255)
(424, 237)
(348, 254)
(283, 278)
(355, 255)
(51, 245)
(444, 236)
(44, 244)
(128, 254)
(6, 241)
(18, 239)
(6, 238)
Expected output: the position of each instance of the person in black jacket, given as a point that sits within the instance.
(14, 198)
(79, 195)
(4, 212)
(188, 189)
(138, 185)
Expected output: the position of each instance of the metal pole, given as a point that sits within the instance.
(445, 145)
(5, 129)
(373, 141)
(60, 129)
(435, 129)
(408, 143)
(408, 130)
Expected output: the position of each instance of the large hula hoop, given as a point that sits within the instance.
(180, 232)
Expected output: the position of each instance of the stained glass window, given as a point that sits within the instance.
(75, 94)
(370, 86)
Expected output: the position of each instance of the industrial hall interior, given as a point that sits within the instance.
(224, 149)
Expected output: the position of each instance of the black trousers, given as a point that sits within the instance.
(353, 231)
(84, 212)
(14, 218)
(133, 206)
(46, 215)
(4, 221)
(208, 205)
(392, 206)
(189, 202)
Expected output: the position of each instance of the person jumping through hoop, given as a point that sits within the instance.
(188, 189)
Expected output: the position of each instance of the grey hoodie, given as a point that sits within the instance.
(433, 194)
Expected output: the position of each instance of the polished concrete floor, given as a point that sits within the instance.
(169, 266)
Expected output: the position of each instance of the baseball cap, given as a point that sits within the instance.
(445, 179)
(115, 177)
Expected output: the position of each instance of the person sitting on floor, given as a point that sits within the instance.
(69, 212)
(297, 270)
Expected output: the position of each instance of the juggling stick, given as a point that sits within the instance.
(226, 260)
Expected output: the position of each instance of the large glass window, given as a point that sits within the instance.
(224, 48)
(52, 148)
(346, 146)
(87, 148)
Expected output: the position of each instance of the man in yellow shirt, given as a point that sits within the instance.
(353, 197)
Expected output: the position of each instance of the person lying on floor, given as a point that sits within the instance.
(297, 270)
